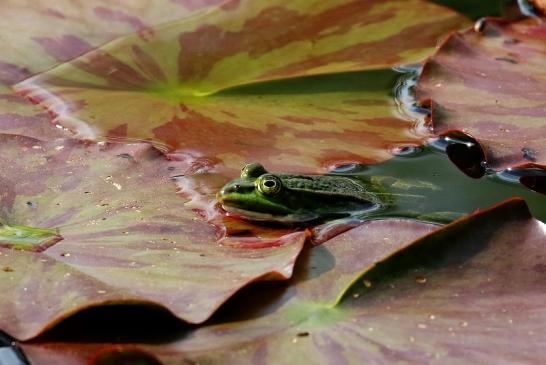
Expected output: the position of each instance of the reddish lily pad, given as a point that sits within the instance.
(170, 87)
(19, 116)
(472, 292)
(127, 237)
(540, 5)
(490, 83)
(37, 35)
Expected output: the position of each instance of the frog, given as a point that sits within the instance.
(262, 196)
(423, 185)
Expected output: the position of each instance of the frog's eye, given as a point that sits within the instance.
(269, 185)
(252, 171)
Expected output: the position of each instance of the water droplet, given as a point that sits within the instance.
(420, 279)
(367, 283)
(65, 254)
(351, 167)
(406, 150)
(421, 326)
(464, 324)
(480, 25)
(356, 295)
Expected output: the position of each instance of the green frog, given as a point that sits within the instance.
(423, 185)
(259, 195)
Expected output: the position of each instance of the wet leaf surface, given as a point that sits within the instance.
(127, 237)
(491, 84)
(472, 292)
(171, 87)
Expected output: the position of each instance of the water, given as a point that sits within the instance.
(474, 9)
(453, 192)
(10, 354)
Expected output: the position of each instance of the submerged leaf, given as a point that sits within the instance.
(472, 292)
(171, 87)
(490, 82)
(126, 236)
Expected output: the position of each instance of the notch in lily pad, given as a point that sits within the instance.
(27, 238)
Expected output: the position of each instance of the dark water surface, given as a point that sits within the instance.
(440, 187)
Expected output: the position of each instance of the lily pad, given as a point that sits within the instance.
(124, 236)
(171, 87)
(490, 83)
(540, 5)
(472, 292)
(37, 35)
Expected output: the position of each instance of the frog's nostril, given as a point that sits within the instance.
(230, 189)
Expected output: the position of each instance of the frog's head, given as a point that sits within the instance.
(263, 196)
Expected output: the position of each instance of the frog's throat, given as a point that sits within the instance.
(300, 217)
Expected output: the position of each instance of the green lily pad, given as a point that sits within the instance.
(171, 88)
(472, 292)
(127, 236)
(491, 83)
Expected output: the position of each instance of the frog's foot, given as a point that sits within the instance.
(323, 232)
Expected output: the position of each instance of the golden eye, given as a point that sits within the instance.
(269, 185)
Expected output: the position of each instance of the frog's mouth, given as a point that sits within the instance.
(299, 217)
